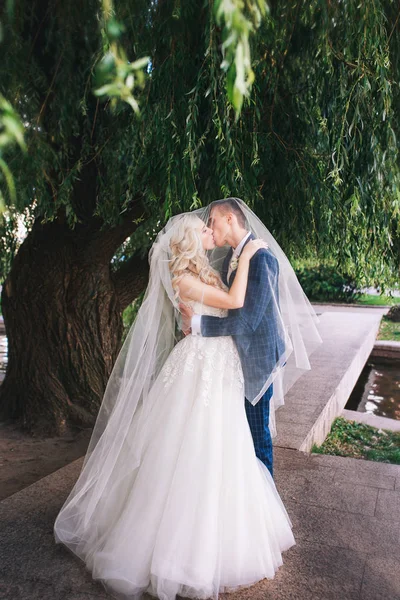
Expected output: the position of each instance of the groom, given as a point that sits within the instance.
(254, 327)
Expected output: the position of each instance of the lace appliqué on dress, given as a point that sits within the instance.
(208, 355)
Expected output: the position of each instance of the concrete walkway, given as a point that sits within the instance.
(320, 395)
(350, 308)
(346, 521)
(345, 512)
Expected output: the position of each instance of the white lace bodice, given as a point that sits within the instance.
(203, 309)
(206, 358)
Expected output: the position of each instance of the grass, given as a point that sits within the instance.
(357, 440)
(362, 299)
(389, 330)
(370, 300)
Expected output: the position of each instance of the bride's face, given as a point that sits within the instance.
(220, 227)
(206, 234)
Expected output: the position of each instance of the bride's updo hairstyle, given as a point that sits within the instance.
(188, 255)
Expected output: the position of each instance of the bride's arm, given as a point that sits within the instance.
(194, 289)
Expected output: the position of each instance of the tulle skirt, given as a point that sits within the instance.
(201, 514)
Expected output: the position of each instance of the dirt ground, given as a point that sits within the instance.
(25, 459)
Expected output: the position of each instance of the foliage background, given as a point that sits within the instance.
(314, 151)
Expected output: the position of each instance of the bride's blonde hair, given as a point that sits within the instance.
(188, 255)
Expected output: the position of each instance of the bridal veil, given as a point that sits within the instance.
(116, 445)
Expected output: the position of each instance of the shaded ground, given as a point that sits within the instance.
(25, 459)
(345, 514)
(346, 521)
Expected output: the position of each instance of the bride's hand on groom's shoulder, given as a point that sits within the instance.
(252, 247)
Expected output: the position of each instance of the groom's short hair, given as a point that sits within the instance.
(230, 205)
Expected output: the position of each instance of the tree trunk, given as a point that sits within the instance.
(62, 313)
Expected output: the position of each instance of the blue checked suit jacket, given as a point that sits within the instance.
(254, 327)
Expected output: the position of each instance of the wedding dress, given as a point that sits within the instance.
(201, 515)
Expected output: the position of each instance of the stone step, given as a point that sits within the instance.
(387, 349)
(372, 420)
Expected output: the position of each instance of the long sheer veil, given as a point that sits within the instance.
(296, 319)
(119, 434)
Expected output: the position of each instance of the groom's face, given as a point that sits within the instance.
(219, 223)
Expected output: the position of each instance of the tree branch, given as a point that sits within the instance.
(394, 27)
(131, 279)
(105, 241)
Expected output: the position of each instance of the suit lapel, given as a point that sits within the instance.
(233, 274)
(225, 266)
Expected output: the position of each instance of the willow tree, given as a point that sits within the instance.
(314, 152)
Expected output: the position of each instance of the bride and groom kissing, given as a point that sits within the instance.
(176, 494)
(253, 326)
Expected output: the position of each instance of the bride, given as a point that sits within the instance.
(171, 499)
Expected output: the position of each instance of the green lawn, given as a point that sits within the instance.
(389, 330)
(369, 300)
(357, 440)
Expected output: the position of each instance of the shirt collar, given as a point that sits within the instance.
(239, 247)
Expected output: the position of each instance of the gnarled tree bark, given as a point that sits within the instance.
(62, 308)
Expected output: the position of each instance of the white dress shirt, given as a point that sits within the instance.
(196, 319)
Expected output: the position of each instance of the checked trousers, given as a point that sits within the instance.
(258, 418)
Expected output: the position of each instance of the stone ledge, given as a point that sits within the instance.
(320, 395)
(372, 420)
(388, 349)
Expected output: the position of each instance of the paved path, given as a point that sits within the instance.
(372, 291)
(320, 394)
(346, 520)
(345, 514)
(350, 308)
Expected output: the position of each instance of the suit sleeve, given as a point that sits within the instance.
(262, 283)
